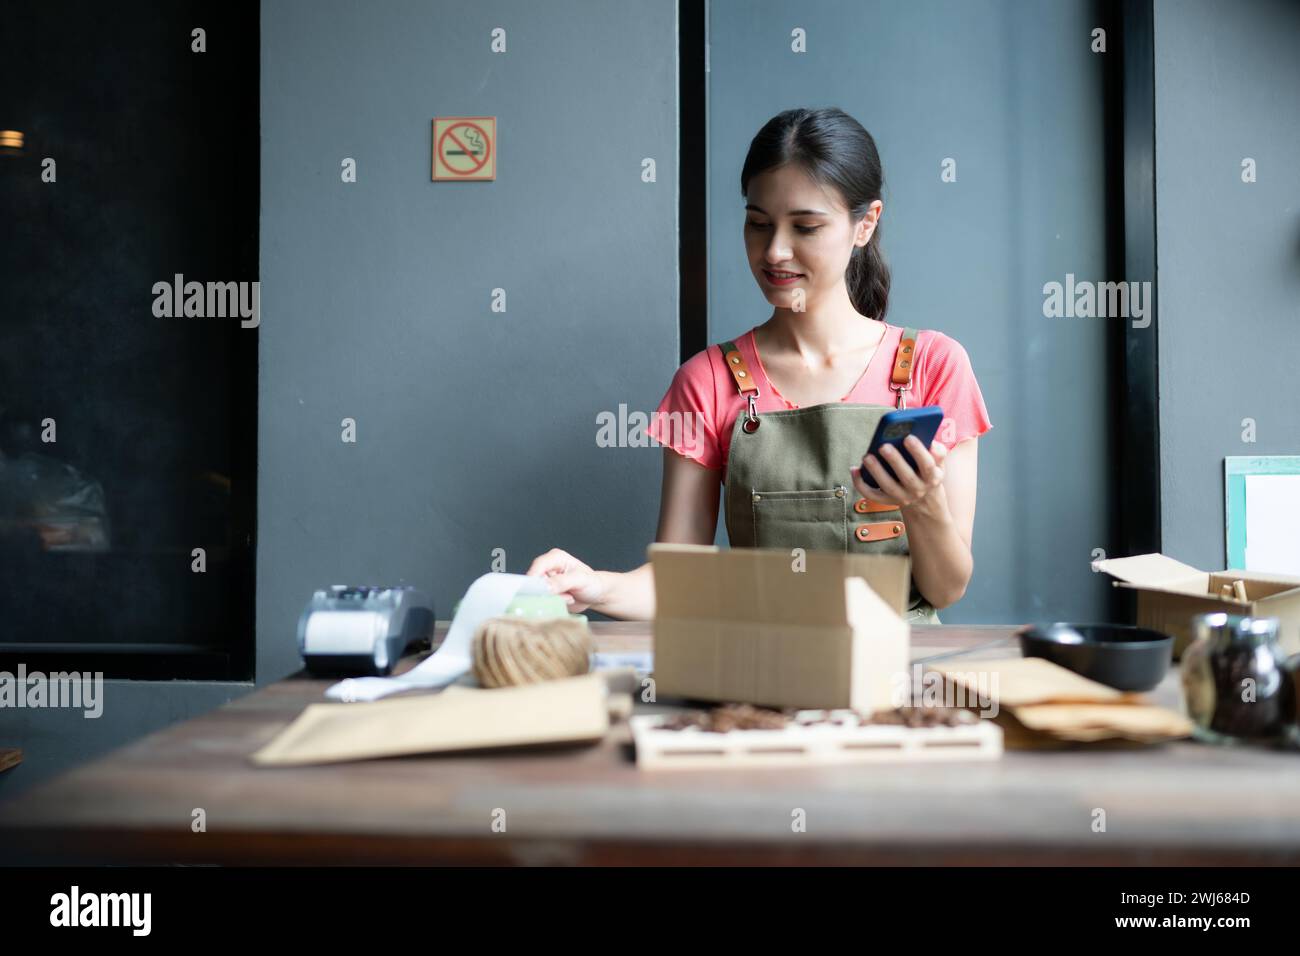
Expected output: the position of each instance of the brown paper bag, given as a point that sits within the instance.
(1028, 680)
(1097, 722)
(458, 718)
(1054, 702)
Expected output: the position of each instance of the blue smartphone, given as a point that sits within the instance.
(894, 427)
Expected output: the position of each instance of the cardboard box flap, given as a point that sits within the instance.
(864, 605)
(889, 576)
(1156, 571)
(763, 584)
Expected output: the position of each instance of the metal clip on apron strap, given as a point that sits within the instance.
(900, 380)
(744, 381)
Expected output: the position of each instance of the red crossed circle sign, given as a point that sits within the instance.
(449, 140)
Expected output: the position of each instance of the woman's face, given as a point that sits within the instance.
(793, 225)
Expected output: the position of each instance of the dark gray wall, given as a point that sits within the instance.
(1013, 93)
(1227, 88)
(476, 430)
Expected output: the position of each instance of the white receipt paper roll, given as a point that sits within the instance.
(486, 597)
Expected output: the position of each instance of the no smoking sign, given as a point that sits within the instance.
(464, 148)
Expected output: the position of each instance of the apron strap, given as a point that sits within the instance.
(744, 382)
(900, 380)
(739, 370)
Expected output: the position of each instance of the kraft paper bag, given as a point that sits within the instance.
(1051, 701)
(574, 709)
(1028, 680)
(1086, 722)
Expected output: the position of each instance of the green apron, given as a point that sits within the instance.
(786, 486)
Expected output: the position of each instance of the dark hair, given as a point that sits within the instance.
(834, 149)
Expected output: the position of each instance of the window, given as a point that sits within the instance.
(127, 439)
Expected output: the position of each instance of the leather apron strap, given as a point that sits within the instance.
(745, 383)
(900, 379)
(739, 368)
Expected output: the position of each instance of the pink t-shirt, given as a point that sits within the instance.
(696, 416)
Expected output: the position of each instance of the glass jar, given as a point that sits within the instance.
(1236, 681)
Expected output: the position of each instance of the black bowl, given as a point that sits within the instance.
(1117, 655)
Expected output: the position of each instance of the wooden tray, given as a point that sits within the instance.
(797, 745)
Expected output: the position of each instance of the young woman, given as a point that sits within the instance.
(783, 415)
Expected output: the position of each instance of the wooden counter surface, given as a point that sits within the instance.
(1180, 803)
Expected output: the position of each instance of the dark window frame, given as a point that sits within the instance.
(1137, 480)
(235, 659)
(692, 177)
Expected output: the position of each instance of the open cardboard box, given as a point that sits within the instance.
(1170, 594)
(742, 624)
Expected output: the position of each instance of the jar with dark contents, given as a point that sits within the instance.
(1237, 683)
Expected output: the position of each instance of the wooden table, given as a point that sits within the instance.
(1180, 803)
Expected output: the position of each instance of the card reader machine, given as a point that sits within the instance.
(362, 630)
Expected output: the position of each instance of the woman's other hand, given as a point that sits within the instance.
(578, 584)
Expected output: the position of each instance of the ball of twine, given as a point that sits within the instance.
(511, 650)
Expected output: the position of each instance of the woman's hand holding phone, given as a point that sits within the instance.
(912, 486)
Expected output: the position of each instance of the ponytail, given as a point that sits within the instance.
(867, 279)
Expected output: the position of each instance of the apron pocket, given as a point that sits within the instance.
(816, 520)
